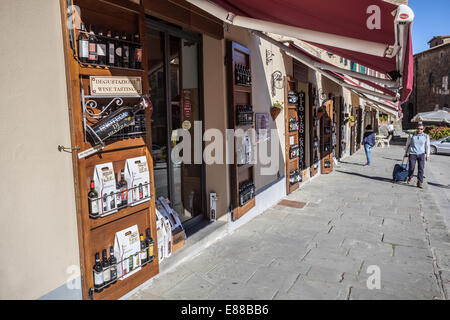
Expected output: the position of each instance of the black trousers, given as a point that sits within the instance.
(420, 158)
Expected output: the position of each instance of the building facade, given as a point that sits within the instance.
(431, 76)
(185, 55)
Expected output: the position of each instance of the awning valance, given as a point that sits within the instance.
(373, 33)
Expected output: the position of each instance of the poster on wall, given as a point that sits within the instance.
(262, 127)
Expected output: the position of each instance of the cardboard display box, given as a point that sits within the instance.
(138, 180)
(127, 247)
(105, 185)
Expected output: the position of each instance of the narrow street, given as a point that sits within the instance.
(354, 218)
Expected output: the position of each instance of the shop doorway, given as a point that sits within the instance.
(174, 63)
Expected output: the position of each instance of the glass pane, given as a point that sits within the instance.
(155, 48)
(175, 112)
(192, 173)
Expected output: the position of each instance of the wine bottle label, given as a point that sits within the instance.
(136, 261)
(111, 53)
(84, 48)
(98, 278)
(93, 204)
(150, 250)
(106, 275)
(101, 49)
(138, 55)
(124, 195)
(119, 51)
(113, 272)
(126, 54)
(143, 255)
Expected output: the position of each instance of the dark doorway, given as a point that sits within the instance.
(175, 63)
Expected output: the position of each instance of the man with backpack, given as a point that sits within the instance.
(417, 150)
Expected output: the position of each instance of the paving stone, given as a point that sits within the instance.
(305, 289)
(238, 291)
(193, 287)
(236, 271)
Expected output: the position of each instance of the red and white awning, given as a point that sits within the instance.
(373, 33)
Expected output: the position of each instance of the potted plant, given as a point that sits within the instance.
(352, 121)
(276, 108)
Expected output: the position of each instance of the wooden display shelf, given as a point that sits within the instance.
(109, 71)
(94, 235)
(238, 95)
(292, 111)
(293, 187)
(240, 211)
(99, 222)
(313, 130)
(326, 121)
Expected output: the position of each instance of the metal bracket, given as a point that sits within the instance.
(269, 56)
(67, 149)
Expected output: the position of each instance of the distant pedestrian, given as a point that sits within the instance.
(391, 130)
(368, 142)
(417, 149)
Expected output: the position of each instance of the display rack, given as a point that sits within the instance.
(240, 93)
(314, 127)
(99, 233)
(326, 132)
(293, 147)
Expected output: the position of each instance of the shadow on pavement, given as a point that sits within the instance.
(439, 185)
(353, 163)
(376, 178)
(399, 160)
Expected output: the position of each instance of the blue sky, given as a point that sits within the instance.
(432, 18)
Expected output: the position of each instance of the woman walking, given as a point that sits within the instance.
(368, 142)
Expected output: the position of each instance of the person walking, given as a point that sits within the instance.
(417, 150)
(391, 130)
(368, 142)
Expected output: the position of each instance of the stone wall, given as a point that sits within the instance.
(431, 77)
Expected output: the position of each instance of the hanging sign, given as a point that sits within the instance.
(115, 86)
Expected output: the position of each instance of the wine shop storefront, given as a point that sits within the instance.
(103, 96)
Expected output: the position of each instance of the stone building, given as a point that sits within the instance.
(431, 73)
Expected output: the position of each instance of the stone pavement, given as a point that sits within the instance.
(355, 219)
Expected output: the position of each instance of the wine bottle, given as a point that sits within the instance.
(83, 45)
(112, 265)
(106, 269)
(143, 252)
(149, 242)
(118, 193)
(92, 46)
(137, 52)
(118, 52)
(93, 201)
(116, 121)
(125, 52)
(101, 48)
(98, 274)
(123, 188)
(111, 48)
(237, 74)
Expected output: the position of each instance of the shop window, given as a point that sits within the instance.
(362, 69)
